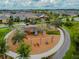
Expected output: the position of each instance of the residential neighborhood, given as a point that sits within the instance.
(39, 29)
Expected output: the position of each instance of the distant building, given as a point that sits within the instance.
(22, 16)
(76, 19)
(3, 19)
(41, 15)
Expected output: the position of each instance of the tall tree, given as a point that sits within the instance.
(23, 51)
(10, 21)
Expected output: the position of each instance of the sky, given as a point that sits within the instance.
(39, 4)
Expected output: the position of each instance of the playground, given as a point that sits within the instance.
(39, 43)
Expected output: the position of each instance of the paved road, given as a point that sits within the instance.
(61, 52)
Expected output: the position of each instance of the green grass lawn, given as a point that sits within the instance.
(3, 31)
(72, 30)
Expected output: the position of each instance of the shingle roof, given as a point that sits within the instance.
(3, 17)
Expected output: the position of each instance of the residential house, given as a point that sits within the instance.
(3, 19)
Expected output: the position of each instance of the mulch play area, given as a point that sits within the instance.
(39, 44)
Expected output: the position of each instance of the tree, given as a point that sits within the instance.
(72, 18)
(23, 51)
(3, 48)
(26, 21)
(67, 19)
(33, 22)
(76, 39)
(58, 22)
(76, 42)
(17, 19)
(18, 37)
(48, 22)
(10, 21)
(68, 24)
(44, 58)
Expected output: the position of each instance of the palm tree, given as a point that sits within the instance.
(23, 51)
(3, 48)
(18, 37)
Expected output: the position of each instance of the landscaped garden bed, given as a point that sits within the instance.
(39, 43)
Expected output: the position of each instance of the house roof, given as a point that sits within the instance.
(76, 19)
(3, 17)
(21, 15)
(41, 15)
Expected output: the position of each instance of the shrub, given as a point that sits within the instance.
(53, 32)
(18, 37)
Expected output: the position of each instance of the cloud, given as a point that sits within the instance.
(7, 1)
(44, 4)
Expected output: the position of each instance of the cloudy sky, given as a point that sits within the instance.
(39, 4)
